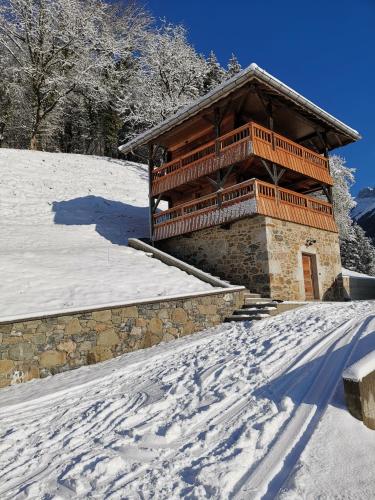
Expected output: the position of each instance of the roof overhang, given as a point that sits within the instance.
(251, 74)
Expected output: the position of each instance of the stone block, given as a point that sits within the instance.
(179, 315)
(102, 316)
(98, 354)
(73, 327)
(51, 359)
(129, 312)
(67, 346)
(155, 326)
(21, 352)
(108, 338)
(6, 366)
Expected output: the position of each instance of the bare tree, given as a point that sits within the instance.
(58, 46)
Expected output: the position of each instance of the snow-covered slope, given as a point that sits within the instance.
(236, 411)
(64, 223)
(364, 212)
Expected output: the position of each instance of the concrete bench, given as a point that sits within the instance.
(359, 388)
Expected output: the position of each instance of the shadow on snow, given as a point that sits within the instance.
(114, 220)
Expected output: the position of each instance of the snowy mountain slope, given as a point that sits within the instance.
(64, 223)
(364, 212)
(198, 417)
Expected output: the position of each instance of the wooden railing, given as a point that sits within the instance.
(278, 149)
(236, 146)
(228, 149)
(241, 200)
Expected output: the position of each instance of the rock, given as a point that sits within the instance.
(21, 352)
(179, 315)
(99, 354)
(108, 338)
(6, 366)
(129, 312)
(67, 346)
(155, 326)
(50, 359)
(102, 316)
(73, 327)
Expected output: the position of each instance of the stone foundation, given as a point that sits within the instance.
(38, 347)
(265, 255)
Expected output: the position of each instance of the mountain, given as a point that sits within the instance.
(364, 212)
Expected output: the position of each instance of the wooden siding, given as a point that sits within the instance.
(236, 146)
(241, 200)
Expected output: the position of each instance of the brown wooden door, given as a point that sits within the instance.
(308, 277)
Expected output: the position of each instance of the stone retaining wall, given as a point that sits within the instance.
(38, 347)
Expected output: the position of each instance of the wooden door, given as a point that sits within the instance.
(308, 276)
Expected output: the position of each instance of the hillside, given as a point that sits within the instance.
(233, 412)
(364, 212)
(64, 224)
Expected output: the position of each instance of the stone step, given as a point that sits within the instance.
(257, 303)
(246, 317)
(253, 310)
(252, 295)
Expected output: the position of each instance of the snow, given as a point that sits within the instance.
(237, 411)
(355, 274)
(64, 223)
(361, 368)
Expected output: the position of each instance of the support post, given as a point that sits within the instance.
(150, 197)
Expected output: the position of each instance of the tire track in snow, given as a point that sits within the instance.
(267, 477)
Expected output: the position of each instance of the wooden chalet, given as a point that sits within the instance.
(251, 147)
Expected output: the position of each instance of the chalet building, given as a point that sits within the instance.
(245, 176)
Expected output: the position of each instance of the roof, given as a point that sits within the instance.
(252, 72)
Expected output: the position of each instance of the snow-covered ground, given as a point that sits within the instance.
(236, 411)
(64, 224)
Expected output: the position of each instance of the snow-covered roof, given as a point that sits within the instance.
(251, 72)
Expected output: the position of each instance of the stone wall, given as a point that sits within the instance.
(38, 347)
(237, 253)
(264, 254)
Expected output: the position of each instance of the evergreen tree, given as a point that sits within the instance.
(214, 75)
(233, 66)
(357, 252)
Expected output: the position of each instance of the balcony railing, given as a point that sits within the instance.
(236, 146)
(241, 200)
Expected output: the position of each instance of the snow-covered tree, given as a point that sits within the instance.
(59, 46)
(169, 74)
(343, 201)
(357, 252)
(233, 66)
(214, 75)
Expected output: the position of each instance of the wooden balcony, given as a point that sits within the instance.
(236, 146)
(241, 200)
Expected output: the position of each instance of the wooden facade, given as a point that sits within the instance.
(223, 180)
(252, 146)
(239, 145)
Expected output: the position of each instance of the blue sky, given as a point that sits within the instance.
(323, 49)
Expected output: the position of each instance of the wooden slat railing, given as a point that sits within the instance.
(228, 149)
(278, 149)
(241, 200)
(236, 146)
